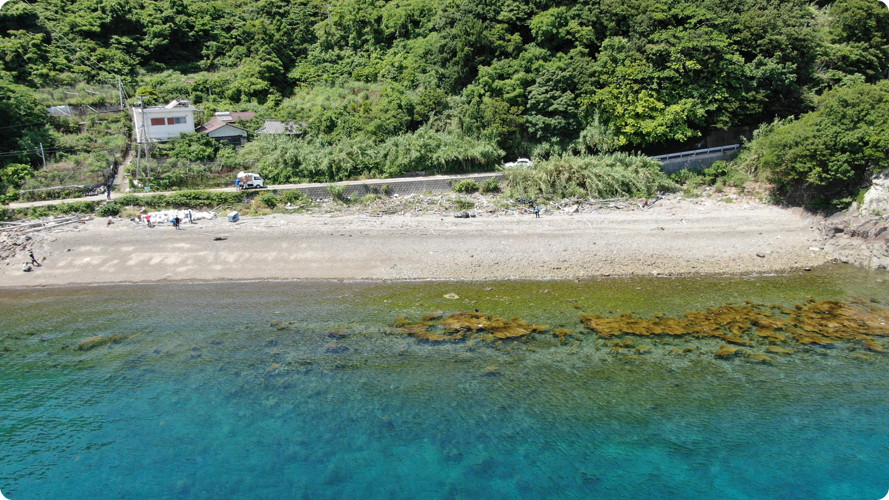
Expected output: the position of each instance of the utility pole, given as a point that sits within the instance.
(43, 156)
(142, 139)
(138, 160)
(120, 92)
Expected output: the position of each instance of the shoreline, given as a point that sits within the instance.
(86, 284)
(674, 237)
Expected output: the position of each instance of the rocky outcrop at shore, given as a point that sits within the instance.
(859, 240)
(860, 236)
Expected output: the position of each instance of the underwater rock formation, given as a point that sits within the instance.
(97, 341)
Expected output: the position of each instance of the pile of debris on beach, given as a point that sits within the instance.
(20, 240)
(167, 216)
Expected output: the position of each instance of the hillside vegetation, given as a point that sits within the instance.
(382, 88)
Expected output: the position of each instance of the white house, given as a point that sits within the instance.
(162, 123)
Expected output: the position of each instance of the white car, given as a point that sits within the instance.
(521, 162)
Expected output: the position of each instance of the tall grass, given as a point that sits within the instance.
(282, 159)
(613, 175)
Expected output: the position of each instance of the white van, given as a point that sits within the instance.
(249, 180)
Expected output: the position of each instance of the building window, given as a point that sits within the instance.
(157, 121)
(176, 120)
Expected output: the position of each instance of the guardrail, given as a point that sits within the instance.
(697, 152)
(697, 159)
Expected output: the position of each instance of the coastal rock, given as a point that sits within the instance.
(876, 200)
(97, 341)
(858, 239)
(860, 236)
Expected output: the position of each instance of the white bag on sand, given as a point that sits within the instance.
(165, 216)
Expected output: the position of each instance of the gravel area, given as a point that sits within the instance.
(420, 238)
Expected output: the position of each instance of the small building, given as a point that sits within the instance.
(279, 127)
(61, 110)
(221, 127)
(162, 123)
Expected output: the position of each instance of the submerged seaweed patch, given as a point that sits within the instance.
(467, 326)
(753, 332)
(814, 323)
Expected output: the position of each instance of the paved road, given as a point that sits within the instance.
(276, 187)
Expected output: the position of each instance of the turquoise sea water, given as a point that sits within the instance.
(304, 390)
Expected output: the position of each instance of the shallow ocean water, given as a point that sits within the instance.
(304, 390)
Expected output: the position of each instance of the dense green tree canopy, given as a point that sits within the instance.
(520, 77)
(651, 71)
(24, 125)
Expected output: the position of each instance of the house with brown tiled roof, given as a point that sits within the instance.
(222, 127)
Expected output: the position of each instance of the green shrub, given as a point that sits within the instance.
(183, 199)
(40, 212)
(109, 210)
(128, 200)
(462, 204)
(191, 147)
(823, 158)
(76, 207)
(155, 201)
(466, 186)
(490, 186)
(294, 197)
(368, 198)
(338, 192)
(612, 175)
(686, 176)
(716, 170)
(736, 178)
(269, 200)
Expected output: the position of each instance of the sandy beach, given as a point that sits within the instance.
(671, 237)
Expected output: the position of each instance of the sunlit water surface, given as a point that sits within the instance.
(305, 390)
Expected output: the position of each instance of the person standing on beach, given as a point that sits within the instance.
(33, 259)
(148, 220)
(537, 212)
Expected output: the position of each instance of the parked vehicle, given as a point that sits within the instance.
(521, 162)
(249, 180)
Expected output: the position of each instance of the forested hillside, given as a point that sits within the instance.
(388, 87)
